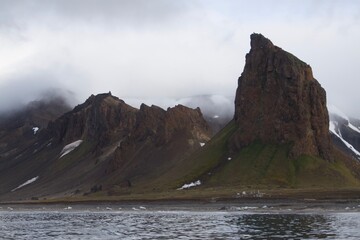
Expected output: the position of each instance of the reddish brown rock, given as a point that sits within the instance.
(279, 101)
(101, 118)
(161, 135)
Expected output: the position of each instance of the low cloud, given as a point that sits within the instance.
(140, 49)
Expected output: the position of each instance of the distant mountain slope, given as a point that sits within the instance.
(19, 129)
(218, 110)
(345, 131)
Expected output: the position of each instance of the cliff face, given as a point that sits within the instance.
(161, 136)
(101, 118)
(104, 118)
(279, 101)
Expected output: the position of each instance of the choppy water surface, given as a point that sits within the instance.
(155, 224)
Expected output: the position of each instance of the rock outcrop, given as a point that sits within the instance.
(177, 131)
(101, 118)
(279, 101)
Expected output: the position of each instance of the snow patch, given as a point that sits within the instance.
(190, 185)
(35, 130)
(229, 158)
(332, 126)
(202, 144)
(353, 127)
(26, 183)
(216, 116)
(70, 147)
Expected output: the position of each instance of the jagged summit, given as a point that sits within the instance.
(100, 118)
(279, 101)
(259, 41)
(101, 141)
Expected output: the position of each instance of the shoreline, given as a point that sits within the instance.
(205, 196)
(268, 206)
(220, 204)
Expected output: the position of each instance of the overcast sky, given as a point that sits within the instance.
(162, 49)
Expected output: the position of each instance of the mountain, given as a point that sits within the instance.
(278, 142)
(279, 137)
(345, 132)
(101, 144)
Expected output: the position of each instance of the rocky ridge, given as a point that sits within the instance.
(103, 142)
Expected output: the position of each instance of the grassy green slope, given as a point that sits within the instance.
(258, 166)
(268, 166)
(200, 163)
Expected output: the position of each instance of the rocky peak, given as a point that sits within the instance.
(279, 101)
(99, 118)
(162, 126)
(258, 41)
(177, 131)
(182, 119)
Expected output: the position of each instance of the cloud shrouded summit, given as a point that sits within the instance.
(168, 49)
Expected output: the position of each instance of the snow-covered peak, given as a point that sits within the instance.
(333, 110)
(334, 129)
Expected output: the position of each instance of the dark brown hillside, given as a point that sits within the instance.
(116, 143)
(159, 140)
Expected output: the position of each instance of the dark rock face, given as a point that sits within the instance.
(177, 130)
(134, 134)
(279, 101)
(100, 118)
(106, 118)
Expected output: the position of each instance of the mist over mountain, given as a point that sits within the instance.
(168, 49)
(276, 137)
(17, 97)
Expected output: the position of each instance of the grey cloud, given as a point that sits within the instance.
(165, 50)
(19, 14)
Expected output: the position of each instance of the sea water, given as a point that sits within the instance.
(139, 222)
